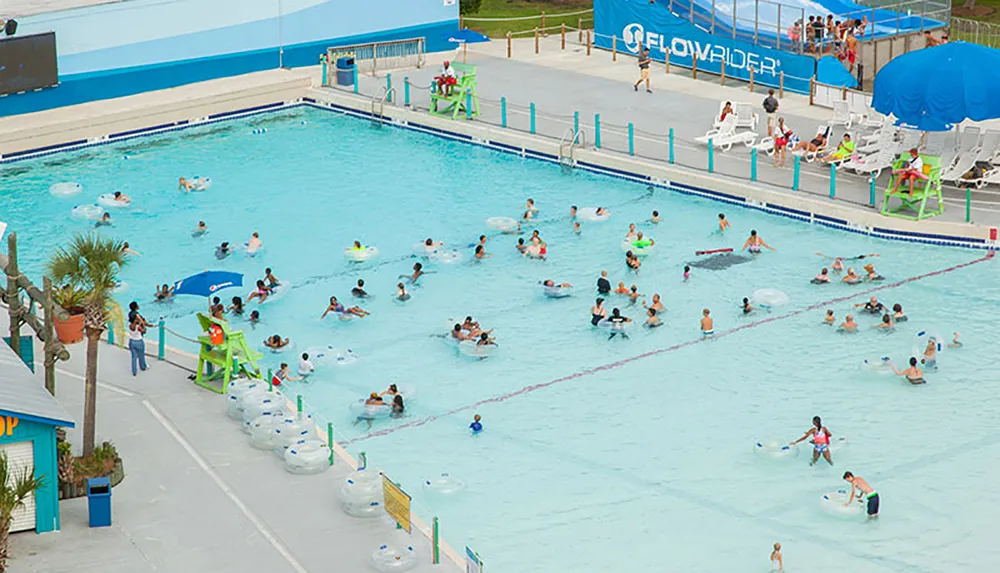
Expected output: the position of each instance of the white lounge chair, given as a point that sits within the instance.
(965, 158)
(872, 119)
(842, 114)
(827, 132)
(726, 135)
(988, 150)
(745, 117)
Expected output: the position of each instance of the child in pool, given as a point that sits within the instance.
(621, 289)
(477, 425)
(687, 272)
(401, 293)
(829, 318)
(777, 563)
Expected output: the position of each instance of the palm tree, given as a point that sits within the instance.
(14, 490)
(90, 263)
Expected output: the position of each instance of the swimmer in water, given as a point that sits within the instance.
(955, 342)
(886, 323)
(430, 245)
(631, 235)
(485, 340)
(576, 227)
(472, 326)
(223, 251)
(122, 198)
(359, 290)
(482, 241)
(873, 306)
(164, 293)
(104, 221)
(218, 311)
(254, 244)
(126, 250)
(237, 306)
(481, 253)
(398, 409)
(657, 306)
(632, 262)
(529, 206)
(261, 293)
(270, 279)
(829, 318)
(687, 273)
(401, 293)
(598, 312)
(860, 485)
(338, 308)
(458, 334)
(528, 215)
(634, 295)
(254, 318)
(276, 342)
(373, 400)
(777, 564)
(200, 230)
(652, 321)
(572, 213)
(707, 324)
(617, 324)
(643, 242)
(622, 290)
(848, 325)
(747, 309)
(851, 277)
(603, 284)
(284, 375)
(857, 258)
(754, 243)
(820, 438)
(838, 265)
(723, 223)
(552, 284)
(520, 246)
(477, 424)
(418, 271)
(305, 365)
(601, 211)
(872, 275)
(655, 218)
(930, 353)
(392, 390)
(897, 313)
(184, 185)
(822, 278)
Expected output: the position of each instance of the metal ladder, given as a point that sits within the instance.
(378, 103)
(568, 142)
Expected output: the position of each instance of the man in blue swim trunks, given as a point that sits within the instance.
(860, 485)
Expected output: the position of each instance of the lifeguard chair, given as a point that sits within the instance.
(463, 99)
(224, 353)
(915, 207)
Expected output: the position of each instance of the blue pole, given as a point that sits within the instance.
(531, 109)
(711, 157)
(111, 335)
(671, 139)
(753, 164)
(597, 131)
(871, 191)
(163, 339)
(388, 88)
(576, 122)
(468, 104)
(833, 181)
(322, 63)
(355, 79)
(631, 139)
(503, 112)
(406, 91)
(795, 175)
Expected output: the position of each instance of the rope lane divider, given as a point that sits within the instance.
(613, 365)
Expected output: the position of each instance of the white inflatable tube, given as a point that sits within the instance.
(262, 434)
(444, 484)
(880, 366)
(65, 189)
(108, 200)
(470, 348)
(86, 212)
(286, 348)
(638, 248)
(769, 297)
(590, 214)
(502, 224)
(360, 255)
(446, 257)
(307, 457)
(833, 503)
(363, 411)
(291, 430)
(362, 494)
(235, 392)
(775, 450)
(556, 291)
(922, 338)
(328, 355)
(200, 183)
(391, 559)
(278, 292)
(257, 405)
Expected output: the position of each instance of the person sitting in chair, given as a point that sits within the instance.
(844, 150)
(913, 170)
(447, 80)
(811, 146)
(726, 110)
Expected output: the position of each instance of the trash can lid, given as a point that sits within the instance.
(345, 61)
(98, 481)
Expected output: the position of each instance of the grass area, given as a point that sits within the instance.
(523, 8)
(984, 11)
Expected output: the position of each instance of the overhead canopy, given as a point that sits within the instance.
(466, 36)
(936, 88)
(22, 395)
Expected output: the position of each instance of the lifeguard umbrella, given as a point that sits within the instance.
(464, 37)
(937, 88)
(206, 283)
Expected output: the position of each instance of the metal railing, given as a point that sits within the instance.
(375, 56)
(378, 104)
(976, 32)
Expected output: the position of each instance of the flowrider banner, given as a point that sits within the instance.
(638, 21)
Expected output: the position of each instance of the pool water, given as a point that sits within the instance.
(598, 455)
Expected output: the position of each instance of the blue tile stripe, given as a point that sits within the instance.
(778, 210)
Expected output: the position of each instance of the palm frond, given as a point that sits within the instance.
(13, 493)
(90, 263)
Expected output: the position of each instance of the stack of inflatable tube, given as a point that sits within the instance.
(262, 435)
(65, 189)
(444, 484)
(769, 297)
(307, 457)
(474, 350)
(391, 559)
(360, 255)
(86, 211)
(291, 430)
(108, 200)
(590, 214)
(235, 392)
(775, 450)
(502, 224)
(362, 494)
(257, 404)
(833, 503)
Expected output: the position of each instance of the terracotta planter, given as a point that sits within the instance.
(69, 331)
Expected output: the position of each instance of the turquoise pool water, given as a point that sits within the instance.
(598, 455)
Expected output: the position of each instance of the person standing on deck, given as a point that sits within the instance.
(644, 61)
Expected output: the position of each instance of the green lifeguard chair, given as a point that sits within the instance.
(459, 99)
(915, 207)
(219, 362)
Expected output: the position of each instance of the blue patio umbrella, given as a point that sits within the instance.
(206, 283)
(935, 88)
(466, 36)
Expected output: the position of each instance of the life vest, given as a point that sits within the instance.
(216, 335)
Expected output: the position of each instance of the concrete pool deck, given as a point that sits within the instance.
(197, 496)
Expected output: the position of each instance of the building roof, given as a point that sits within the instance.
(24, 396)
(23, 8)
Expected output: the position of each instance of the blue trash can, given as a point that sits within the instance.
(99, 501)
(345, 71)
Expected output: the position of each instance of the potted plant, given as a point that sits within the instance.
(70, 299)
(15, 488)
(90, 264)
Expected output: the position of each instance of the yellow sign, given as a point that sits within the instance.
(397, 503)
(7, 424)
